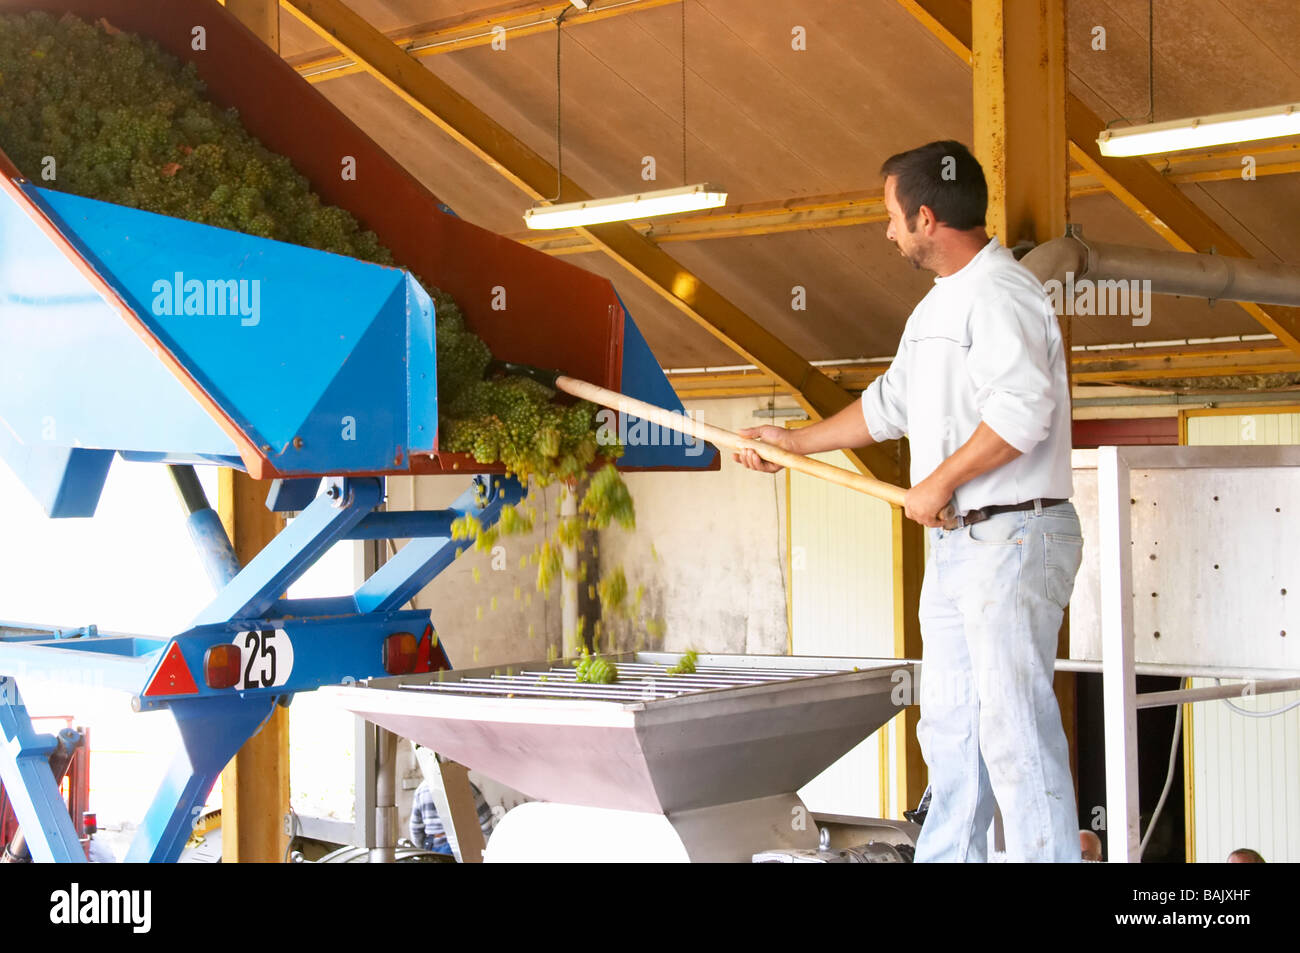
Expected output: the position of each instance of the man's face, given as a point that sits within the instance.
(912, 245)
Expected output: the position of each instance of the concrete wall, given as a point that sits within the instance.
(710, 548)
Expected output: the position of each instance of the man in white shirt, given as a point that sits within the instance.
(979, 387)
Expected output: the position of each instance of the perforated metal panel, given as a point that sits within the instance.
(1216, 559)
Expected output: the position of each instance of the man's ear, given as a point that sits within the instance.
(927, 220)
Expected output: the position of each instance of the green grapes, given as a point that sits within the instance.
(608, 499)
(685, 665)
(595, 671)
(613, 592)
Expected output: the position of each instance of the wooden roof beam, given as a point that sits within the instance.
(466, 30)
(841, 209)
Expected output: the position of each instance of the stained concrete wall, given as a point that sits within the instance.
(710, 548)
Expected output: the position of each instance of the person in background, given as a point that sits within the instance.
(1244, 855)
(427, 830)
(1090, 846)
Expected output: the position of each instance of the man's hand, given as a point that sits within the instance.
(776, 436)
(924, 501)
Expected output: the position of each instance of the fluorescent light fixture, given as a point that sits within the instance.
(622, 208)
(581, 4)
(1176, 135)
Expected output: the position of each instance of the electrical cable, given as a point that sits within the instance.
(1169, 777)
(685, 180)
(1151, 68)
(559, 110)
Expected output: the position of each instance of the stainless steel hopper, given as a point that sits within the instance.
(734, 741)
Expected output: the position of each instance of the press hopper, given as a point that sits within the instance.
(655, 766)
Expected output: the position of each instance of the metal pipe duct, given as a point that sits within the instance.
(1217, 277)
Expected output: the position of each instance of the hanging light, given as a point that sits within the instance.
(1201, 132)
(621, 208)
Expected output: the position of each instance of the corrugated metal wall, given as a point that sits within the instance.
(1245, 771)
(841, 593)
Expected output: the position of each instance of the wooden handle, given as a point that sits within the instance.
(725, 438)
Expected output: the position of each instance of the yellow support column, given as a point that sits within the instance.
(909, 568)
(255, 785)
(1018, 58)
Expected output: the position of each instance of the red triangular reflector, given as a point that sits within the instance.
(172, 676)
(429, 656)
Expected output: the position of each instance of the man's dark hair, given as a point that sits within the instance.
(946, 177)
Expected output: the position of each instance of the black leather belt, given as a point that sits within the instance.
(984, 512)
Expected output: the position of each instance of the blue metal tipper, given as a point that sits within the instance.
(132, 334)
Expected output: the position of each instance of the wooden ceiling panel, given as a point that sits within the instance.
(1209, 55)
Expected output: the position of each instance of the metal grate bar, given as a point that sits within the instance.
(638, 681)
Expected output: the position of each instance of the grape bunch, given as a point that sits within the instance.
(613, 592)
(685, 665)
(607, 500)
(595, 671)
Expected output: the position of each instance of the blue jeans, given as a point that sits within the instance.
(990, 728)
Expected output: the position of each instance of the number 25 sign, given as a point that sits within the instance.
(266, 657)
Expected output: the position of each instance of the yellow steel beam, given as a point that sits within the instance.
(1018, 61)
(735, 221)
(1088, 367)
(466, 30)
(838, 210)
(260, 16)
(1134, 182)
(908, 546)
(537, 178)
(1157, 373)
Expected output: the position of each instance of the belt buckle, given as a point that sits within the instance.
(965, 519)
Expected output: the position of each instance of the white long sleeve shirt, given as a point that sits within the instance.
(982, 345)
